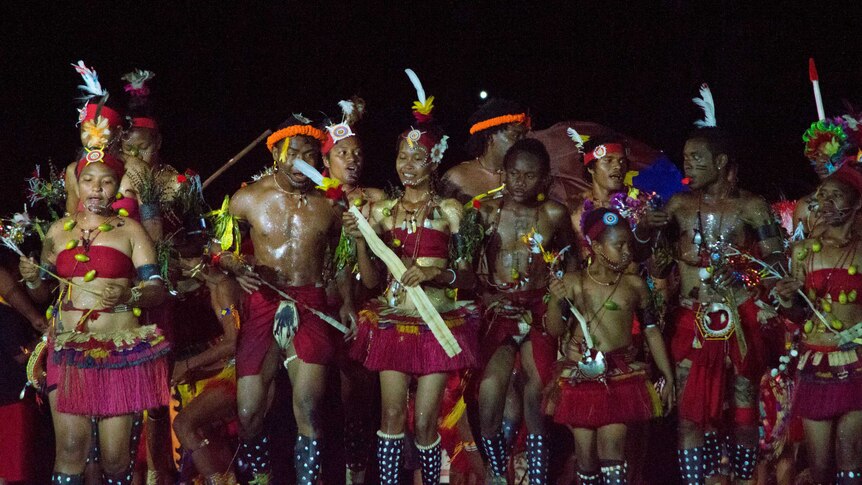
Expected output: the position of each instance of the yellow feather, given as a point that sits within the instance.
(455, 415)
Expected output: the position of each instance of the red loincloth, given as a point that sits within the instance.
(315, 341)
(703, 395)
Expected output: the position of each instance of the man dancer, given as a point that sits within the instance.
(495, 127)
(716, 343)
(289, 223)
(514, 283)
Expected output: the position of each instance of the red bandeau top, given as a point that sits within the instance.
(107, 261)
(833, 281)
(432, 243)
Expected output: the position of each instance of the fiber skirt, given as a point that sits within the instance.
(111, 374)
(627, 398)
(389, 340)
(828, 382)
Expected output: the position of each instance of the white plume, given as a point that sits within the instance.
(91, 87)
(346, 107)
(576, 137)
(420, 91)
(707, 105)
(308, 171)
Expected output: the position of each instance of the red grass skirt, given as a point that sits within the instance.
(389, 340)
(703, 396)
(828, 382)
(111, 374)
(505, 321)
(627, 397)
(316, 341)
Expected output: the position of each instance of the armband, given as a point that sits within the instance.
(149, 272)
(150, 211)
(45, 272)
(768, 231)
(647, 317)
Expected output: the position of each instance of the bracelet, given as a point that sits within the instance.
(135, 295)
(33, 285)
(454, 276)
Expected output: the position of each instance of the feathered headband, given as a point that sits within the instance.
(92, 88)
(352, 111)
(137, 80)
(520, 118)
(99, 156)
(707, 104)
(824, 132)
(302, 129)
(433, 145)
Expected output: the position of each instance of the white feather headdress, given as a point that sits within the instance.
(707, 104)
(577, 138)
(91, 87)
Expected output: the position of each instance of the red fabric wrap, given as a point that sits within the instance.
(100, 375)
(625, 398)
(500, 326)
(833, 281)
(315, 341)
(824, 389)
(703, 396)
(110, 161)
(143, 122)
(18, 440)
(388, 340)
(114, 117)
(432, 243)
(107, 261)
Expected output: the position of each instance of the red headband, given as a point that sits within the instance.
(602, 150)
(114, 118)
(145, 123)
(98, 156)
(850, 176)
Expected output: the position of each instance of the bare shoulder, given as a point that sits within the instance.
(451, 208)
(555, 211)
(457, 173)
(382, 208)
(373, 194)
(680, 199)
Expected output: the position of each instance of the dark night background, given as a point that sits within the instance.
(226, 73)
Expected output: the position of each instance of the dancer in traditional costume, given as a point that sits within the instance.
(101, 127)
(601, 388)
(716, 343)
(395, 336)
(102, 364)
(289, 223)
(513, 274)
(344, 159)
(829, 371)
(494, 127)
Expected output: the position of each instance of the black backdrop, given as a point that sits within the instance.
(226, 73)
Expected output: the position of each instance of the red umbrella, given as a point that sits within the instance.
(567, 168)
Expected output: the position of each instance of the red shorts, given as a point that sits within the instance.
(315, 341)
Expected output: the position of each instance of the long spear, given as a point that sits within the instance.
(235, 158)
(815, 83)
